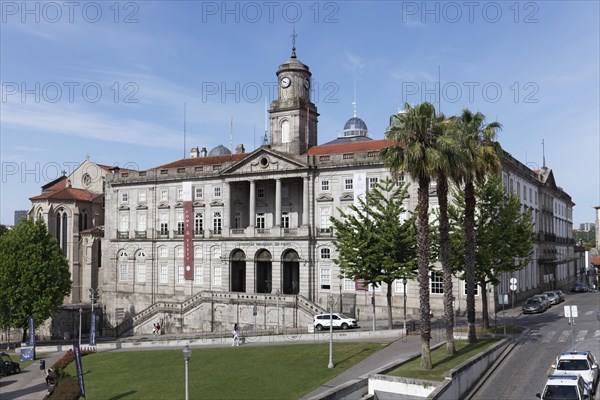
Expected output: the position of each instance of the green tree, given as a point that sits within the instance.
(413, 134)
(505, 235)
(479, 156)
(373, 241)
(3, 229)
(34, 275)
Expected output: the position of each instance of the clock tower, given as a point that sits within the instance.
(293, 117)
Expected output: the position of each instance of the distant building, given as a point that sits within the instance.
(587, 226)
(19, 214)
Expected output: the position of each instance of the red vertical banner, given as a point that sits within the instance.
(188, 236)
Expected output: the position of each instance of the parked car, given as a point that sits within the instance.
(564, 387)
(7, 365)
(578, 362)
(561, 294)
(544, 298)
(321, 321)
(533, 306)
(553, 296)
(579, 287)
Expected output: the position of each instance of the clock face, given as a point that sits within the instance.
(307, 84)
(285, 82)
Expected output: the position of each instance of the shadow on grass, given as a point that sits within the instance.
(352, 356)
(462, 351)
(123, 395)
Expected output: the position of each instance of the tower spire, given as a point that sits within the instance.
(543, 154)
(293, 36)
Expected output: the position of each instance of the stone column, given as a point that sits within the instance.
(226, 207)
(252, 216)
(277, 221)
(305, 201)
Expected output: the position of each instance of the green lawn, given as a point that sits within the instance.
(441, 362)
(247, 372)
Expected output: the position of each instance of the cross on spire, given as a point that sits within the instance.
(293, 36)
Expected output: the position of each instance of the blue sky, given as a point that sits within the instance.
(109, 80)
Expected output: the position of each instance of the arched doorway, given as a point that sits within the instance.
(238, 271)
(264, 282)
(291, 272)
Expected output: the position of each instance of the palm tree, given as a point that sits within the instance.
(413, 134)
(480, 156)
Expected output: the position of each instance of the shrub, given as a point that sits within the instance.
(67, 388)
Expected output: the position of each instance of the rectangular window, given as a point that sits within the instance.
(260, 193)
(524, 193)
(198, 193)
(217, 222)
(399, 286)
(124, 222)
(180, 274)
(260, 220)
(465, 289)
(180, 223)
(325, 278)
(141, 222)
(179, 194)
(530, 196)
(123, 270)
(164, 224)
(400, 179)
(519, 189)
(163, 253)
(349, 284)
(285, 219)
(140, 274)
(348, 184)
(164, 274)
(217, 191)
(142, 196)
(198, 223)
(325, 215)
(124, 197)
(436, 283)
(217, 276)
(372, 181)
(285, 191)
(348, 156)
(325, 253)
(164, 195)
(325, 185)
(198, 274)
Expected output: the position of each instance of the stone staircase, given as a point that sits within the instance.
(179, 310)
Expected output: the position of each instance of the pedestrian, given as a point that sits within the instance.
(236, 335)
(158, 328)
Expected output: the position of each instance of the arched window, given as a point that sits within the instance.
(286, 137)
(140, 266)
(61, 230)
(123, 269)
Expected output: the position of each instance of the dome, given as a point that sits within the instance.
(220, 150)
(355, 123)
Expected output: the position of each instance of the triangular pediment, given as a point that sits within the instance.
(216, 203)
(324, 197)
(142, 207)
(163, 205)
(347, 197)
(265, 159)
(198, 204)
(124, 207)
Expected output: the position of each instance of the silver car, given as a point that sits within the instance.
(544, 298)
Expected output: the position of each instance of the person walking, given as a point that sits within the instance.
(236, 335)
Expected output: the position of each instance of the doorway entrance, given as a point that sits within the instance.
(291, 272)
(264, 267)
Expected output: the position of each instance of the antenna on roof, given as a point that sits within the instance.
(184, 118)
(231, 135)
(543, 154)
(354, 102)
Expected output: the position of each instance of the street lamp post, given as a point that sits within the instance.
(80, 313)
(187, 353)
(373, 303)
(277, 294)
(330, 365)
(404, 282)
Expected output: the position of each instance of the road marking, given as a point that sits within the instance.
(589, 312)
(548, 337)
(581, 335)
(597, 333)
(564, 336)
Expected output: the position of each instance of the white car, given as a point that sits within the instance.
(578, 362)
(563, 387)
(321, 321)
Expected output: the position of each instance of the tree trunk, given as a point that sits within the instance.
(389, 305)
(444, 228)
(484, 305)
(470, 258)
(423, 267)
(24, 338)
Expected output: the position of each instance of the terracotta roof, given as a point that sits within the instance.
(67, 194)
(595, 260)
(56, 184)
(197, 161)
(109, 168)
(371, 145)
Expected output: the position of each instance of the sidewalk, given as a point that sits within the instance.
(30, 384)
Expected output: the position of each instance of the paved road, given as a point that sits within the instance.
(524, 372)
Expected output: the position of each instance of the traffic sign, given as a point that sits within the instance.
(571, 311)
(513, 281)
(513, 287)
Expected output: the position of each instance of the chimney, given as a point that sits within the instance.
(203, 152)
(194, 152)
(239, 149)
